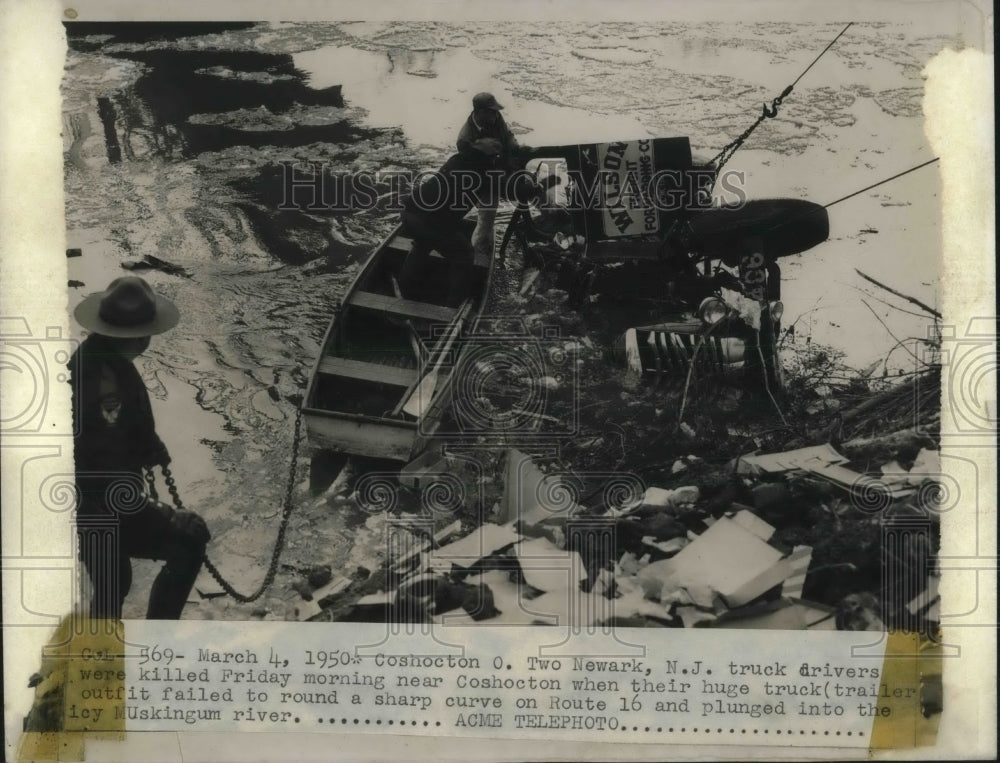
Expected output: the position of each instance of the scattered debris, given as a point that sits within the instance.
(423, 469)
(732, 547)
(547, 567)
(798, 564)
(675, 501)
(857, 483)
(302, 588)
(773, 501)
(751, 568)
(445, 533)
(682, 464)
(473, 547)
(630, 565)
(319, 575)
(777, 463)
(670, 547)
(150, 262)
(530, 496)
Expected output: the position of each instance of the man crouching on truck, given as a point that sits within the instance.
(486, 121)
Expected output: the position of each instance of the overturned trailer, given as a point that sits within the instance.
(638, 217)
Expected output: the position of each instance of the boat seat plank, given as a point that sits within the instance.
(400, 243)
(372, 372)
(404, 307)
(403, 244)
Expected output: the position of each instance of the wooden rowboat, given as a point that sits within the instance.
(382, 381)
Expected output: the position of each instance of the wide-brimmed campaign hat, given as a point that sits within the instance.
(127, 308)
(485, 101)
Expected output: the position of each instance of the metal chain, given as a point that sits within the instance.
(769, 113)
(151, 484)
(515, 220)
(279, 543)
(731, 148)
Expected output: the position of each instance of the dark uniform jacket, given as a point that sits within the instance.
(116, 433)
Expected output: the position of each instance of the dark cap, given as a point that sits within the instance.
(485, 101)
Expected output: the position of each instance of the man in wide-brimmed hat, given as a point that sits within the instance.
(115, 441)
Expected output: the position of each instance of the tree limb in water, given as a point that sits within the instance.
(911, 300)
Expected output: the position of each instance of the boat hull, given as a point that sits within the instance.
(377, 349)
(360, 435)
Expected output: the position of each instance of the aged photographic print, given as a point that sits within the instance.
(647, 341)
(434, 327)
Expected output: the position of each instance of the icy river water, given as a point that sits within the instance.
(173, 148)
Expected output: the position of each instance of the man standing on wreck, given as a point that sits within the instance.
(486, 122)
(114, 441)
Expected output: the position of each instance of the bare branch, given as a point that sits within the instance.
(911, 300)
(899, 342)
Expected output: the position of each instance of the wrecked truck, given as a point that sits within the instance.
(640, 222)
